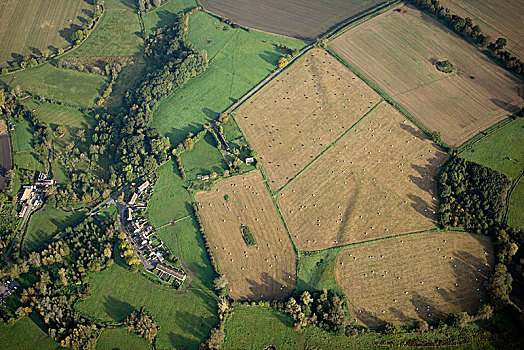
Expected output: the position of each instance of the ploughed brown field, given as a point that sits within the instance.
(377, 181)
(303, 19)
(397, 51)
(299, 114)
(418, 277)
(264, 271)
(495, 18)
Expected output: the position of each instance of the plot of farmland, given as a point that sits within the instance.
(303, 19)
(377, 181)
(424, 276)
(397, 51)
(495, 18)
(265, 270)
(28, 27)
(297, 116)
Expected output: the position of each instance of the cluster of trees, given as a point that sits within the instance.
(466, 28)
(129, 254)
(109, 69)
(142, 324)
(472, 196)
(145, 6)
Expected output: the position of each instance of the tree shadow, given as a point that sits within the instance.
(270, 57)
(132, 4)
(35, 51)
(508, 107)
(117, 309)
(267, 288)
(66, 33)
(88, 13)
(210, 113)
(422, 207)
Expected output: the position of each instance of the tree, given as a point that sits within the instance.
(500, 43)
(306, 298)
(216, 338)
(60, 130)
(282, 62)
(220, 282)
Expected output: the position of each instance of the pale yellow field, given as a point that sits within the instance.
(377, 181)
(299, 114)
(265, 271)
(397, 52)
(423, 276)
(495, 18)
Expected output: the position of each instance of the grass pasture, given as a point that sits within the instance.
(238, 61)
(45, 223)
(204, 158)
(29, 27)
(264, 271)
(49, 81)
(28, 160)
(22, 137)
(397, 52)
(377, 181)
(496, 18)
(516, 206)
(423, 276)
(303, 19)
(25, 335)
(120, 338)
(503, 150)
(166, 14)
(117, 34)
(300, 113)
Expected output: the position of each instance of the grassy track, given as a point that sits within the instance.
(76, 88)
(118, 33)
(239, 60)
(120, 338)
(45, 223)
(166, 14)
(503, 150)
(204, 158)
(27, 27)
(25, 335)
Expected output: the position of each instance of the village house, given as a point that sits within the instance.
(165, 269)
(203, 177)
(143, 186)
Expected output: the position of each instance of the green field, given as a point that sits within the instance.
(166, 14)
(317, 271)
(238, 61)
(108, 213)
(76, 88)
(27, 160)
(55, 115)
(45, 223)
(170, 199)
(503, 150)
(204, 158)
(118, 33)
(25, 335)
(120, 338)
(516, 206)
(22, 137)
(27, 27)
(184, 320)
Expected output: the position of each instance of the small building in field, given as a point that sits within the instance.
(203, 177)
(250, 160)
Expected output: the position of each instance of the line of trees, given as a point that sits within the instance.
(466, 28)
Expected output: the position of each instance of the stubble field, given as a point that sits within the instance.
(298, 115)
(496, 18)
(410, 278)
(377, 181)
(27, 27)
(303, 19)
(397, 51)
(265, 270)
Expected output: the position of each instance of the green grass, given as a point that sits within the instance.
(204, 158)
(516, 206)
(120, 338)
(166, 14)
(45, 223)
(108, 213)
(238, 61)
(317, 271)
(25, 335)
(27, 160)
(55, 115)
(231, 130)
(76, 88)
(184, 320)
(118, 33)
(503, 150)
(170, 201)
(257, 327)
(22, 137)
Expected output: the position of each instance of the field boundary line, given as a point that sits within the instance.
(386, 97)
(329, 146)
(484, 133)
(508, 196)
(174, 221)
